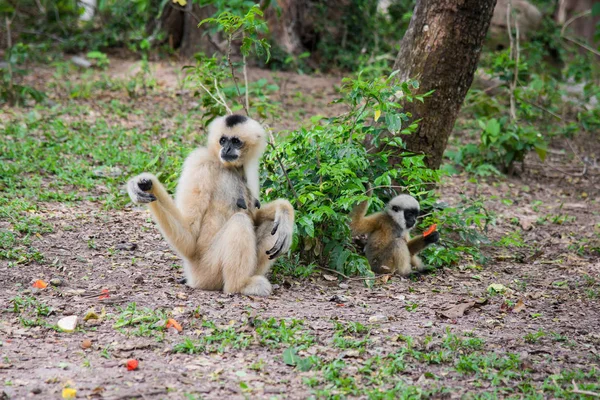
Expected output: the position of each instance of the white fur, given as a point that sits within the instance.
(404, 202)
(246, 129)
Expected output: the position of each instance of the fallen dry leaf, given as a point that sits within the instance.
(457, 310)
(329, 277)
(39, 284)
(86, 344)
(520, 306)
(172, 323)
(104, 294)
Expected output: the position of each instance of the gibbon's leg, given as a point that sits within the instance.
(274, 228)
(401, 257)
(234, 250)
(359, 223)
(146, 189)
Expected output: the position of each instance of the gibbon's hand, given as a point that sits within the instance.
(257, 204)
(139, 189)
(283, 228)
(432, 238)
(241, 203)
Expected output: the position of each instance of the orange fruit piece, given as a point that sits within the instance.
(132, 364)
(172, 323)
(39, 284)
(430, 230)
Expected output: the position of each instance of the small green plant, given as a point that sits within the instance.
(100, 59)
(147, 321)
(534, 337)
(214, 340)
(11, 90)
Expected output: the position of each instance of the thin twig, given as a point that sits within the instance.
(514, 54)
(9, 47)
(579, 391)
(570, 39)
(245, 69)
(353, 278)
(237, 88)
(272, 144)
(221, 101)
(222, 97)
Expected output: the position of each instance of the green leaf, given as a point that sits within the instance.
(290, 357)
(493, 127)
(596, 10)
(541, 152)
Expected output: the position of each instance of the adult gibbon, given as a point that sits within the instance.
(226, 239)
(389, 247)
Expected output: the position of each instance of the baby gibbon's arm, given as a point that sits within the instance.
(418, 243)
(361, 224)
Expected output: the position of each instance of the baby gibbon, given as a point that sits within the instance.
(389, 247)
(226, 239)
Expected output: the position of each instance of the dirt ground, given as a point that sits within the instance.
(553, 275)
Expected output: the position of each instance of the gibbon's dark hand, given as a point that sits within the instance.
(241, 203)
(432, 238)
(282, 227)
(139, 189)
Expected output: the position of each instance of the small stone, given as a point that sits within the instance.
(139, 279)
(127, 246)
(111, 172)
(36, 390)
(338, 298)
(343, 286)
(81, 62)
(56, 282)
(86, 344)
(378, 318)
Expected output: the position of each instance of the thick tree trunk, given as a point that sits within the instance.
(441, 49)
(180, 24)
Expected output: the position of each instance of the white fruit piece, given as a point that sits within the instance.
(68, 324)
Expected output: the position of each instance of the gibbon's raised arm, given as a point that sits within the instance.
(361, 224)
(145, 188)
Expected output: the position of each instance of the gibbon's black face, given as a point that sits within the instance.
(404, 210)
(230, 148)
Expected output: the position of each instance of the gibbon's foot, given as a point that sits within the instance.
(241, 203)
(182, 281)
(138, 189)
(432, 238)
(258, 285)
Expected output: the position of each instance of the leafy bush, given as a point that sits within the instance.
(11, 91)
(328, 166)
(502, 144)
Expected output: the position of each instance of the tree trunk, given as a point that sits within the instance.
(441, 49)
(180, 24)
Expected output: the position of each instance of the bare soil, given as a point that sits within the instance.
(92, 249)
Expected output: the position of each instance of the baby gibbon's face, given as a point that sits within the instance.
(404, 210)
